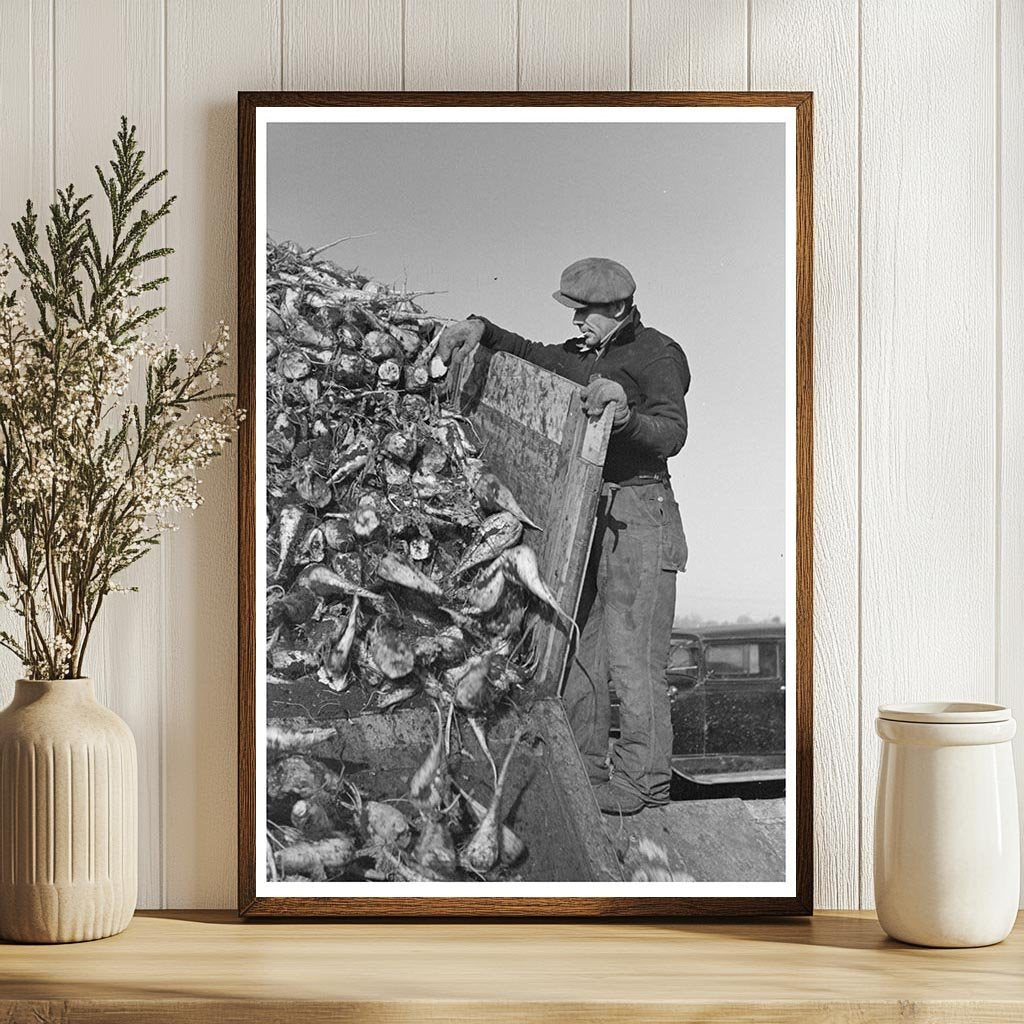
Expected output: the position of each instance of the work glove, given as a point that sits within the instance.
(458, 340)
(601, 392)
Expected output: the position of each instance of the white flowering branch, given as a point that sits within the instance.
(89, 479)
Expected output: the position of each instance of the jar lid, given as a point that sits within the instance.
(944, 712)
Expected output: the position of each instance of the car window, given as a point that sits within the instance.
(682, 658)
(751, 660)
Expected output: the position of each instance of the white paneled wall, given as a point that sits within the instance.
(786, 57)
(919, 327)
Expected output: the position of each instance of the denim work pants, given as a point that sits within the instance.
(625, 620)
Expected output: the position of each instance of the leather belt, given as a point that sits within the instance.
(646, 478)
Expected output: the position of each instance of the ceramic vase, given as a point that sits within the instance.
(947, 845)
(68, 815)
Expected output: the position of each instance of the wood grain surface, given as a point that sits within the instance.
(206, 966)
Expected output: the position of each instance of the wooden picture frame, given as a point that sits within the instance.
(797, 107)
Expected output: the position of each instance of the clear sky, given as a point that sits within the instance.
(490, 214)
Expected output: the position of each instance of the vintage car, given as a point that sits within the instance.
(727, 686)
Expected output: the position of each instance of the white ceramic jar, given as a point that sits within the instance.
(947, 845)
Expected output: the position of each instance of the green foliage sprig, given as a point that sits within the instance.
(88, 477)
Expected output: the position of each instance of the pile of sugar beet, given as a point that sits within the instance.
(400, 574)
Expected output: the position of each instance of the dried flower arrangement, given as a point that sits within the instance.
(89, 478)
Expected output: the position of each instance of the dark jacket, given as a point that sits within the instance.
(652, 370)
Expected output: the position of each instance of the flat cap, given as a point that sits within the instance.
(594, 279)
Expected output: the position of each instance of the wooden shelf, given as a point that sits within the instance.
(198, 966)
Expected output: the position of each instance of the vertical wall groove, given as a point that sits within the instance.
(1011, 283)
(519, 37)
(165, 674)
(750, 55)
(51, 853)
(31, 87)
(53, 98)
(468, 46)
(30, 78)
(997, 319)
(859, 481)
(812, 45)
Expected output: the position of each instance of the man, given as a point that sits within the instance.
(628, 599)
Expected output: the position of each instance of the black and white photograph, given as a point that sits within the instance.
(525, 468)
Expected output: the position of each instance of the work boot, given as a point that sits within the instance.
(614, 799)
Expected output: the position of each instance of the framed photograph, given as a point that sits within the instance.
(525, 501)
